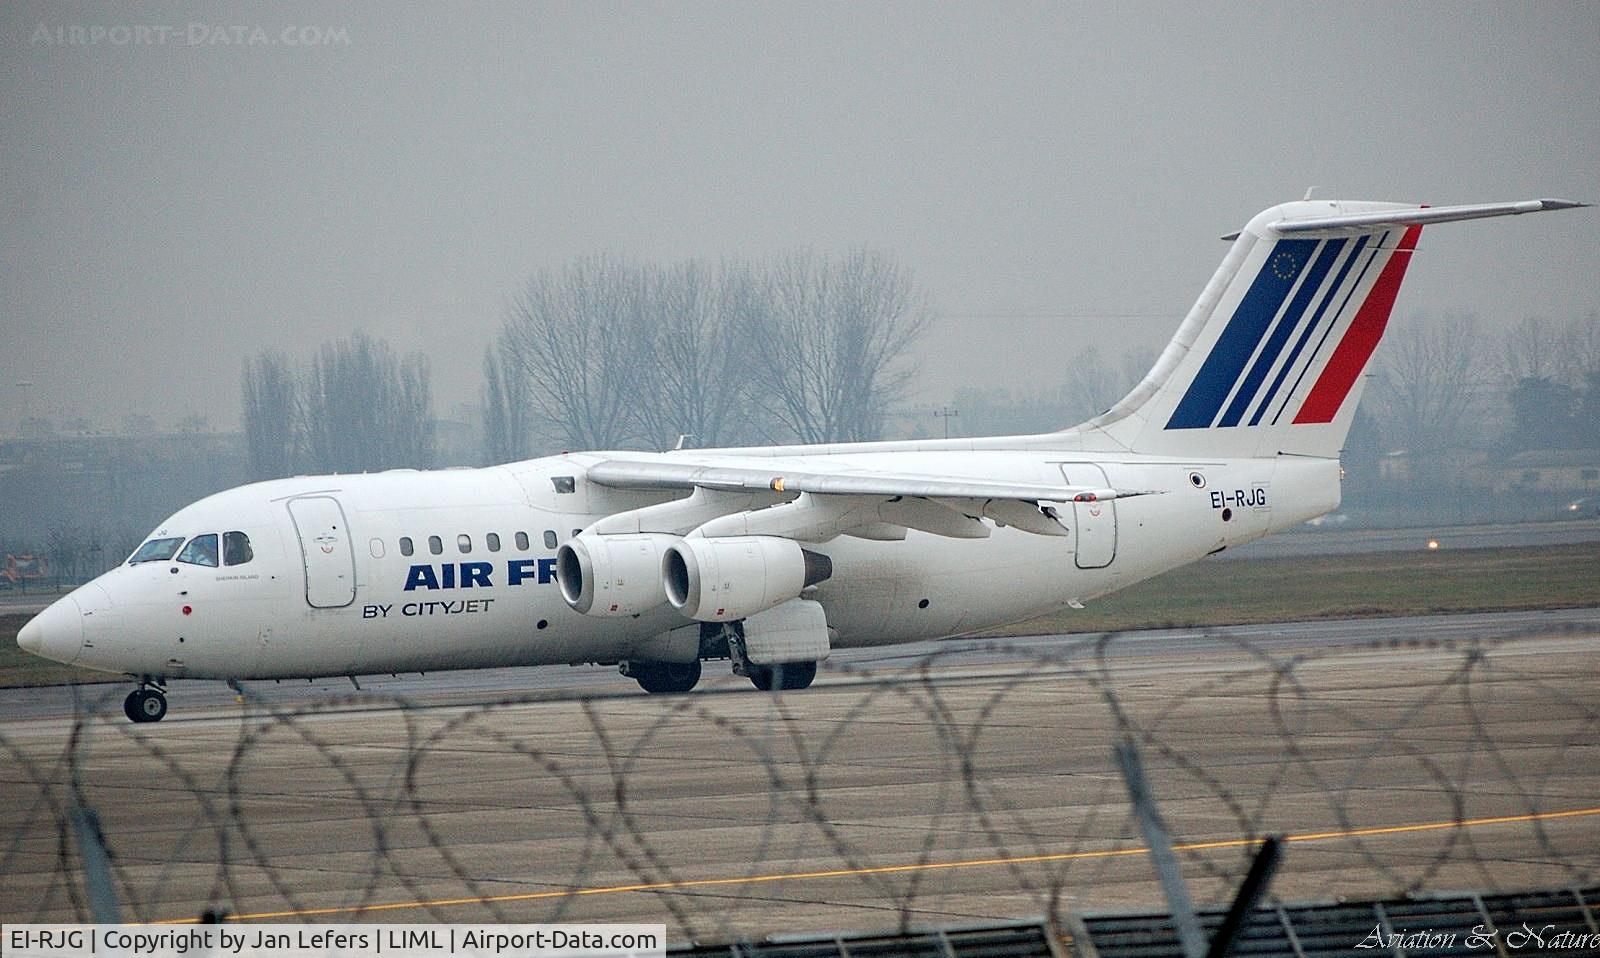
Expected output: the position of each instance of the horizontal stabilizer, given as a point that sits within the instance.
(1414, 216)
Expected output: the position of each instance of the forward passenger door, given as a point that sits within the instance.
(325, 547)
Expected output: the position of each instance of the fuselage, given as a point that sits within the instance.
(772, 557)
(409, 571)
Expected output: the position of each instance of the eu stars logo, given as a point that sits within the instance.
(1285, 264)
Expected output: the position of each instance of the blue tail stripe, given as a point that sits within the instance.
(1311, 327)
(1281, 333)
(1244, 331)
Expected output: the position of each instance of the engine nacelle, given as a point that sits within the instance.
(612, 576)
(728, 578)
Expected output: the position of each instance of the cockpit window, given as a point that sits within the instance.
(236, 548)
(201, 550)
(156, 550)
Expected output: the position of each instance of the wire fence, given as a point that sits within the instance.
(974, 782)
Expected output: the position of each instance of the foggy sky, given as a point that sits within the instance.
(1055, 176)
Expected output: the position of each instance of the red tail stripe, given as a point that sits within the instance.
(1351, 356)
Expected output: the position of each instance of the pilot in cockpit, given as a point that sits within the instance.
(201, 550)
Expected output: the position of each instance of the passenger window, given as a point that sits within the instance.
(236, 548)
(201, 550)
(464, 543)
(522, 542)
(435, 545)
(405, 546)
(549, 538)
(377, 548)
(492, 540)
(563, 484)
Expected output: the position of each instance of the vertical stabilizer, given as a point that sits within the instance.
(1271, 358)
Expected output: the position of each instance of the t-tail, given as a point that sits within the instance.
(1271, 358)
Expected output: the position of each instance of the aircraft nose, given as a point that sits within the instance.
(56, 633)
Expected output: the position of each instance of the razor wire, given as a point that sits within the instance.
(976, 781)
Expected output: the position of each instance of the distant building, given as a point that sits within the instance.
(1464, 466)
(1548, 470)
(120, 486)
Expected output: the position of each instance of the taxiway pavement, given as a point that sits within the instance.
(939, 783)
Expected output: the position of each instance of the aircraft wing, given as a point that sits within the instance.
(851, 502)
(624, 474)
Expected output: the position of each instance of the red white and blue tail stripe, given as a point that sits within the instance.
(1270, 359)
(1282, 328)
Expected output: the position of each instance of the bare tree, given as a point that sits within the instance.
(1532, 351)
(1095, 383)
(1578, 350)
(574, 336)
(271, 411)
(611, 352)
(695, 379)
(67, 552)
(410, 415)
(506, 433)
(833, 337)
(1430, 383)
(1552, 380)
(365, 410)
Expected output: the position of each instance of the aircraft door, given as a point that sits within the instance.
(325, 545)
(1094, 522)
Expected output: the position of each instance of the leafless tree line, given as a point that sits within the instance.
(1091, 383)
(354, 407)
(611, 352)
(1445, 382)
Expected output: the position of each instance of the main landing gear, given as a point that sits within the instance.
(785, 676)
(675, 678)
(730, 640)
(664, 678)
(145, 704)
(788, 676)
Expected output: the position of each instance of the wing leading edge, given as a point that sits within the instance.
(633, 474)
(826, 504)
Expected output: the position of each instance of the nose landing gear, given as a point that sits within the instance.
(145, 704)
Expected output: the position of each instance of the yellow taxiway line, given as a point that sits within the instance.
(688, 883)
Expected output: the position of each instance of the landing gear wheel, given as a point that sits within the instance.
(145, 705)
(790, 676)
(665, 678)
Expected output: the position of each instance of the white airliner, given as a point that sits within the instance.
(770, 557)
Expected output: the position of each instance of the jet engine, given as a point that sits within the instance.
(726, 578)
(612, 576)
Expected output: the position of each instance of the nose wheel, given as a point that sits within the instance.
(145, 704)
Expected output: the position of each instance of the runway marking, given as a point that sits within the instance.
(686, 883)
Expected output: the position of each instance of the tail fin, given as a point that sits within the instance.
(1270, 359)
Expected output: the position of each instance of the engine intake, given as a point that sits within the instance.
(728, 578)
(612, 576)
